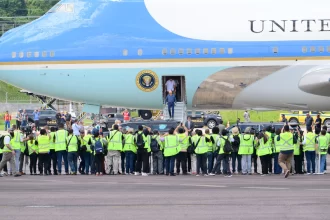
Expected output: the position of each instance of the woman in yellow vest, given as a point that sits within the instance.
(43, 149)
(209, 154)
(33, 153)
(322, 150)
(130, 151)
(170, 151)
(86, 150)
(246, 150)
(182, 133)
(201, 152)
(264, 151)
(72, 143)
(52, 153)
(277, 150)
(309, 149)
(298, 155)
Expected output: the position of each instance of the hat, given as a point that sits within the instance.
(235, 131)
(247, 130)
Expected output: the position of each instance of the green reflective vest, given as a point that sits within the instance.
(286, 139)
(86, 140)
(129, 143)
(146, 139)
(171, 145)
(310, 142)
(264, 148)
(216, 139)
(60, 140)
(5, 149)
(323, 145)
(16, 141)
(52, 144)
(161, 143)
(246, 144)
(72, 141)
(202, 146)
(209, 144)
(184, 142)
(270, 137)
(277, 145)
(43, 144)
(32, 147)
(222, 144)
(115, 141)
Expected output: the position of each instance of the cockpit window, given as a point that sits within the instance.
(64, 7)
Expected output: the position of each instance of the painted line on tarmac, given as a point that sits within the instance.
(255, 187)
(37, 206)
(210, 186)
(318, 189)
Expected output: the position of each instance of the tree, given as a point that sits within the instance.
(39, 7)
(12, 8)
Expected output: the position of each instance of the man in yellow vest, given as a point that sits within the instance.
(130, 151)
(309, 149)
(210, 150)
(52, 153)
(86, 149)
(234, 155)
(182, 133)
(72, 143)
(5, 167)
(142, 141)
(158, 157)
(8, 153)
(322, 150)
(115, 146)
(215, 137)
(171, 149)
(277, 150)
(246, 150)
(16, 142)
(201, 150)
(60, 149)
(287, 142)
(43, 152)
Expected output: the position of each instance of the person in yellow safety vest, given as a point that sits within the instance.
(86, 150)
(33, 153)
(72, 143)
(22, 156)
(271, 134)
(201, 150)
(264, 151)
(246, 150)
(43, 151)
(222, 156)
(328, 136)
(322, 150)
(277, 150)
(182, 133)
(171, 150)
(287, 142)
(210, 150)
(8, 153)
(115, 146)
(16, 143)
(5, 167)
(158, 157)
(142, 141)
(60, 149)
(309, 149)
(52, 153)
(298, 156)
(193, 139)
(98, 157)
(234, 155)
(130, 151)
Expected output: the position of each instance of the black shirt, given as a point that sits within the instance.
(319, 124)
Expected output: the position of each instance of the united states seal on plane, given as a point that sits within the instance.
(147, 80)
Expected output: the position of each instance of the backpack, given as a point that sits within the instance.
(2, 144)
(154, 145)
(192, 147)
(98, 147)
(227, 148)
(139, 141)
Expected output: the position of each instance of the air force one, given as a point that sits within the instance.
(240, 54)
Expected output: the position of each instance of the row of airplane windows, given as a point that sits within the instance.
(196, 51)
(34, 54)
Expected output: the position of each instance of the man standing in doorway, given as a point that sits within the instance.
(170, 101)
(170, 86)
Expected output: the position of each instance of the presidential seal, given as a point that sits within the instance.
(147, 80)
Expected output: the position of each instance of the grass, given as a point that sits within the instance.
(13, 93)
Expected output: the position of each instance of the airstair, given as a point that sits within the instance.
(81, 117)
(180, 112)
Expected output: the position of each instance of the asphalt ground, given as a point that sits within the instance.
(164, 197)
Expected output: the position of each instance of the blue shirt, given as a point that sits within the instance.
(170, 99)
(36, 115)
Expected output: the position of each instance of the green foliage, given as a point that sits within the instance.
(11, 8)
(39, 7)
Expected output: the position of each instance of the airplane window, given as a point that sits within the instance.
(13, 55)
(321, 49)
(29, 54)
(172, 52)
(205, 51)
(304, 49)
(197, 51)
(125, 52)
(52, 54)
(21, 54)
(36, 54)
(44, 54)
(213, 50)
(181, 51)
(222, 50)
(275, 50)
(328, 49)
(312, 49)
(140, 52)
(230, 51)
(164, 51)
(189, 51)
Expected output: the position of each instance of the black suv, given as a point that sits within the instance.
(259, 126)
(202, 119)
(46, 117)
(160, 125)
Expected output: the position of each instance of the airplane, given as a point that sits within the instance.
(222, 54)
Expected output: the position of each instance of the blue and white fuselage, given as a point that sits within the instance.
(232, 54)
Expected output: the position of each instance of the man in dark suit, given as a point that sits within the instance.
(189, 125)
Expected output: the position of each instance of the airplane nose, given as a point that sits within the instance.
(316, 82)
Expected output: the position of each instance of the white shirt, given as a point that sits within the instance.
(170, 85)
(76, 129)
(7, 140)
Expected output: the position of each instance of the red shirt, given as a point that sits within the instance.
(126, 116)
(7, 117)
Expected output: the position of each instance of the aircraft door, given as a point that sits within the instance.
(177, 85)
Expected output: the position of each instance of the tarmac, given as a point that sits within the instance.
(164, 197)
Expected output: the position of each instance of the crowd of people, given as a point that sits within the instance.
(180, 151)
